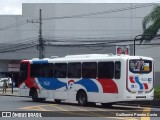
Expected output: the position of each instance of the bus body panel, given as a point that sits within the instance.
(100, 90)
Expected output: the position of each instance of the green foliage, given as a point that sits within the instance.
(157, 92)
(151, 25)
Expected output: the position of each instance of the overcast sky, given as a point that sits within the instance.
(14, 7)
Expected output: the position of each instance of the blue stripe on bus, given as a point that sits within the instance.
(139, 83)
(88, 84)
(51, 83)
(39, 61)
(54, 83)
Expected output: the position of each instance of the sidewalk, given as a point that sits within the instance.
(9, 92)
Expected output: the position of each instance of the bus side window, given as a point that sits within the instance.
(117, 70)
(23, 72)
(60, 70)
(36, 70)
(89, 69)
(106, 70)
(47, 70)
(74, 70)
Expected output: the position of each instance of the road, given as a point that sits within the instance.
(71, 111)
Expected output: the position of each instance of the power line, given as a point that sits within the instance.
(17, 45)
(102, 12)
(17, 49)
(13, 25)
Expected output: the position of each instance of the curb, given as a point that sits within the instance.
(152, 104)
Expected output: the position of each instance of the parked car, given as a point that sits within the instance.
(7, 79)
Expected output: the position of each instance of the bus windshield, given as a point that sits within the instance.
(140, 66)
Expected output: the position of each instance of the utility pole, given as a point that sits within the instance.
(41, 42)
(40, 46)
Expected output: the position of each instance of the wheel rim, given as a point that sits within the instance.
(82, 99)
(34, 96)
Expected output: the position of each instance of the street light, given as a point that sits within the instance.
(135, 43)
(141, 39)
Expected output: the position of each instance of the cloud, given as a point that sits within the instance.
(10, 7)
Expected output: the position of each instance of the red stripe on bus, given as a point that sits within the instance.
(131, 79)
(108, 85)
(145, 85)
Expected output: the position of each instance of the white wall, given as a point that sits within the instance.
(120, 25)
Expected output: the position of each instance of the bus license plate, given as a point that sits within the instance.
(140, 92)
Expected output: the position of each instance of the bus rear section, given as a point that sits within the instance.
(25, 81)
(139, 79)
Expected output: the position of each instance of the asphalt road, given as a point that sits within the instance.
(24, 107)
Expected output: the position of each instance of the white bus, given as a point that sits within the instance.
(95, 78)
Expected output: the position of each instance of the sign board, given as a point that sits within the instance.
(13, 67)
(122, 50)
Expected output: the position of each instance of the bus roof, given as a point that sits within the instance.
(88, 57)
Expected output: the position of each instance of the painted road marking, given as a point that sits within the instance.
(58, 108)
(88, 112)
(37, 107)
(145, 111)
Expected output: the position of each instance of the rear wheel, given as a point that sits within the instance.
(34, 95)
(82, 98)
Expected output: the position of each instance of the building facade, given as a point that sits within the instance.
(82, 28)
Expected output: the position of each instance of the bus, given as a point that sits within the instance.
(88, 78)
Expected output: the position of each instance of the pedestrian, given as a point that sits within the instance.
(5, 86)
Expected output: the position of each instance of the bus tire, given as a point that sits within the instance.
(106, 104)
(57, 101)
(34, 95)
(82, 98)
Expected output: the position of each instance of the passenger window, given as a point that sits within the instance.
(23, 72)
(47, 70)
(106, 70)
(89, 70)
(74, 70)
(117, 70)
(36, 70)
(60, 70)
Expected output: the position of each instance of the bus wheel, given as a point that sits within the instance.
(35, 96)
(106, 104)
(82, 98)
(57, 101)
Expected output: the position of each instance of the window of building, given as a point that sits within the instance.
(47, 70)
(106, 70)
(89, 70)
(74, 70)
(60, 70)
(117, 70)
(36, 70)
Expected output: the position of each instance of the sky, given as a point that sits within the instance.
(14, 7)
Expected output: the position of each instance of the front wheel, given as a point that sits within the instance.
(82, 98)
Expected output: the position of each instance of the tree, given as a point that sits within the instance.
(151, 25)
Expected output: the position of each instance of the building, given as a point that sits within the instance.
(73, 29)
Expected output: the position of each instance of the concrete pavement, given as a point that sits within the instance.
(9, 92)
(154, 103)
